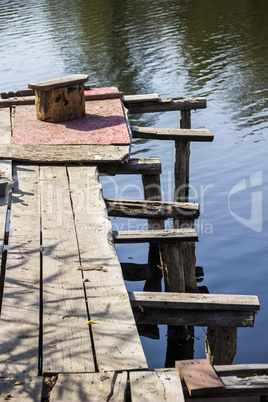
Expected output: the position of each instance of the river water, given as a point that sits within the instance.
(217, 49)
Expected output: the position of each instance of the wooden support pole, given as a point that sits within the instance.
(221, 344)
(152, 192)
(182, 167)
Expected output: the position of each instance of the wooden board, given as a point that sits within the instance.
(59, 82)
(90, 387)
(116, 339)
(199, 376)
(21, 388)
(165, 105)
(66, 337)
(157, 385)
(149, 166)
(65, 153)
(172, 134)
(155, 236)
(151, 209)
(19, 329)
(5, 126)
(194, 301)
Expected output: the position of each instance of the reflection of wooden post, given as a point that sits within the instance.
(182, 167)
(221, 344)
(152, 191)
(60, 99)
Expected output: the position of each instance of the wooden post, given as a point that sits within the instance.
(60, 99)
(182, 167)
(221, 344)
(152, 192)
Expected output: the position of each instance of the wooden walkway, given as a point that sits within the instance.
(67, 320)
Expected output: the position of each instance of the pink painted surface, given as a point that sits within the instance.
(103, 124)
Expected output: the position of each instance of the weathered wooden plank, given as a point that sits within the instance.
(21, 388)
(23, 100)
(194, 301)
(66, 338)
(199, 377)
(24, 92)
(151, 209)
(59, 82)
(116, 340)
(166, 105)
(155, 236)
(19, 329)
(5, 126)
(172, 134)
(90, 387)
(157, 385)
(202, 318)
(242, 370)
(127, 99)
(65, 153)
(148, 166)
(108, 95)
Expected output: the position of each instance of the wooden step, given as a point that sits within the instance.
(155, 236)
(152, 209)
(148, 166)
(163, 105)
(194, 309)
(172, 134)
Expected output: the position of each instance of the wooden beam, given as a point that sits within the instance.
(155, 236)
(151, 209)
(192, 301)
(165, 105)
(23, 100)
(58, 154)
(128, 99)
(191, 309)
(172, 134)
(148, 166)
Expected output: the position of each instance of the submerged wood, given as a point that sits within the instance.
(151, 209)
(172, 134)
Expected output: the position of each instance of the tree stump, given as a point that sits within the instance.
(60, 99)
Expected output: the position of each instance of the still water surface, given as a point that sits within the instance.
(216, 49)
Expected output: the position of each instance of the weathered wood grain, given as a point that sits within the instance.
(172, 134)
(165, 105)
(155, 236)
(151, 209)
(59, 82)
(19, 329)
(199, 377)
(202, 318)
(127, 99)
(194, 301)
(5, 126)
(242, 370)
(148, 166)
(90, 387)
(108, 95)
(116, 339)
(23, 100)
(157, 385)
(21, 388)
(66, 338)
(65, 153)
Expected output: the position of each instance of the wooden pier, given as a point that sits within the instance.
(68, 328)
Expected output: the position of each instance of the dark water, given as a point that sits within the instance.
(216, 49)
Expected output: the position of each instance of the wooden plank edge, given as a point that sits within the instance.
(201, 135)
(166, 105)
(148, 166)
(155, 236)
(193, 301)
(151, 209)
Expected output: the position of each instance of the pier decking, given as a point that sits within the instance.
(66, 316)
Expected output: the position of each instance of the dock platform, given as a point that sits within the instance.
(68, 329)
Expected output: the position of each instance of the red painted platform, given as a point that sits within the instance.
(103, 124)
